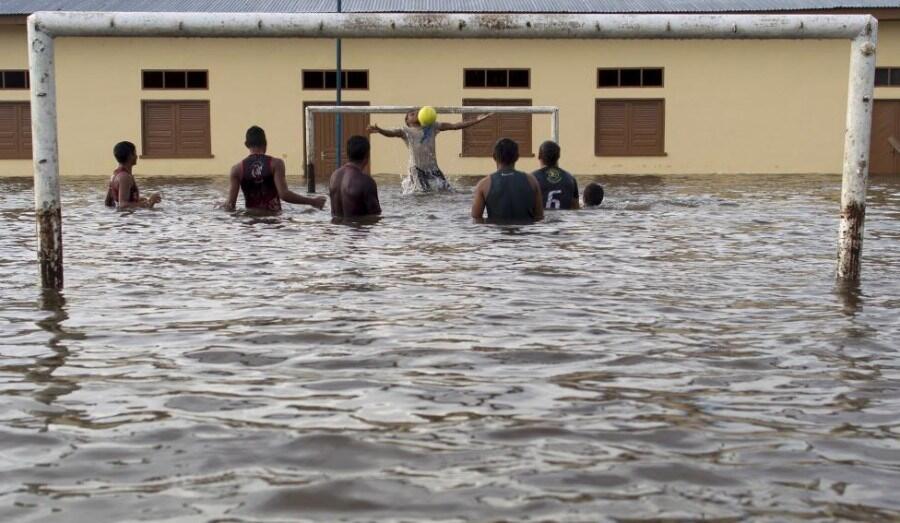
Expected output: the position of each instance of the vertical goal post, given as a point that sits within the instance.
(403, 109)
(44, 27)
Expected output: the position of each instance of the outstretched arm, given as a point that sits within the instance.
(443, 126)
(390, 133)
(234, 188)
(288, 195)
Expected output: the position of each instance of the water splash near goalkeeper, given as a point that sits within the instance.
(420, 133)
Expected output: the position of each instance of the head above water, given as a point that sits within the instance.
(125, 153)
(256, 138)
(548, 154)
(358, 149)
(412, 118)
(506, 152)
(593, 194)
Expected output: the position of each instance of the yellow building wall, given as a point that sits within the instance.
(888, 56)
(14, 55)
(730, 106)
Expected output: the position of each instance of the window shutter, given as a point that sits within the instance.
(159, 129)
(646, 133)
(25, 130)
(15, 130)
(193, 129)
(177, 129)
(611, 128)
(629, 128)
(9, 131)
(479, 140)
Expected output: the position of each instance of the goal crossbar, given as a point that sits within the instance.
(44, 27)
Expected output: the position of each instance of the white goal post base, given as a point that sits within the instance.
(403, 109)
(44, 27)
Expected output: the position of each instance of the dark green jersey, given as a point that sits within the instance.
(558, 187)
(511, 197)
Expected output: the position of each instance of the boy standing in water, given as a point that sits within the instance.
(508, 194)
(261, 178)
(123, 192)
(593, 194)
(424, 173)
(558, 187)
(353, 192)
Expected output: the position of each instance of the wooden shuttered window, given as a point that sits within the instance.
(479, 139)
(629, 128)
(176, 129)
(15, 131)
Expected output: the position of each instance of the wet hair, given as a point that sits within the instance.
(506, 151)
(593, 194)
(256, 137)
(357, 148)
(549, 153)
(123, 151)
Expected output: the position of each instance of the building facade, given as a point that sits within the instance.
(626, 106)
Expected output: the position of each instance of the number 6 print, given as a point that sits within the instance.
(552, 201)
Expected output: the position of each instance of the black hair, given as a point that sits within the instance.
(506, 151)
(123, 150)
(357, 148)
(593, 194)
(256, 137)
(549, 152)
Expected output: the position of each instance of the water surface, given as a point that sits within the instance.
(680, 353)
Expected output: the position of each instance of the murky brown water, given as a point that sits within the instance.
(680, 353)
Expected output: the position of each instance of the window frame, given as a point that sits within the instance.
(345, 75)
(487, 69)
(662, 135)
(164, 71)
(619, 70)
(176, 156)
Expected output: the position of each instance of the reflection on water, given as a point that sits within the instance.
(682, 352)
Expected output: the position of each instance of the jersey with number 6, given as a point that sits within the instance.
(559, 188)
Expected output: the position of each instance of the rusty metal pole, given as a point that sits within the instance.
(45, 154)
(856, 152)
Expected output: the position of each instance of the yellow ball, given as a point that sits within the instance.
(427, 116)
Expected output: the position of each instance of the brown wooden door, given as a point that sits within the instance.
(324, 127)
(884, 156)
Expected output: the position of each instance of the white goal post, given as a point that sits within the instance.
(403, 109)
(44, 27)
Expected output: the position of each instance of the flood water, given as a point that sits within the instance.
(680, 353)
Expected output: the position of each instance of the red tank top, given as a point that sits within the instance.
(258, 183)
(112, 194)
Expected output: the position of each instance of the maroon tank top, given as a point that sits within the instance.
(112, 194)
(258, 183)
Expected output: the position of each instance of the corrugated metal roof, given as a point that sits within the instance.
(19, 7)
